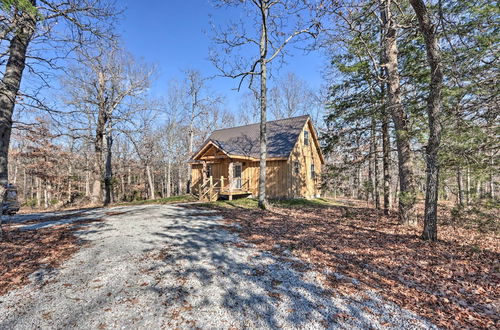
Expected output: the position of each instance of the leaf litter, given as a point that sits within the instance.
(454, 282)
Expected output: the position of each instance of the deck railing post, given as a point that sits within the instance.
(211, 189)
(221, 183)
(230, 180)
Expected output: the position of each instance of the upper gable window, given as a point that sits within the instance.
(306, 138)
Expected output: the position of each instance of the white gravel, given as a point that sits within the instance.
(166, 267)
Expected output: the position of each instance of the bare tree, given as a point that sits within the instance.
(275, 24)
(291, 97)
(192, 103)
(168, 142)
(102, 88)
(40, 32)
(200, 102)
(147, 146)
(249, 108)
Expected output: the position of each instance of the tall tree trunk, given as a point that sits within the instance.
(96, 192)
(371, 193)
(179, 181)
(433, 113)
(38, 192)
(478, 189)
(11, 81)
(190, 149)
(168, 178)
(460, 197)
(386, 147)
(375, 165)
(359, 190)
(87, 183)
(263, 108)
(108, 175)
(492, 177)
(25, 185)
(353, 187)
(102, 119)
(14, 179)
(150, 182)
(70, 170)
(396, 191)
(386, 144)
(32, 187)
(467, 187)
(407, 194)
(45, 196)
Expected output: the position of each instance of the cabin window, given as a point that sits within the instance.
(296, 167)
(306, 138)
(209, 171)
(313, 172)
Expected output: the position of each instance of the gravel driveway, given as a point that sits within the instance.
(161, 266)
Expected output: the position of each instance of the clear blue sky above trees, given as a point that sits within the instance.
(175, 35)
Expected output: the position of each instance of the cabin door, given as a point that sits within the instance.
(237, 169)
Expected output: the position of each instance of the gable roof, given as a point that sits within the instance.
(243, 141)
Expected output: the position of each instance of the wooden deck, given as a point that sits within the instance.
(212, 190)
(237, 192)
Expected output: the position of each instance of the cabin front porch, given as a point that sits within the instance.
(224, 179)
(213, 189)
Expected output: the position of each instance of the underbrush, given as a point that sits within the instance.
(482, 216)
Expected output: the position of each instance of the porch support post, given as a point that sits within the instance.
(204, 172)
(230, 179)
(211, 191)
(203, 179)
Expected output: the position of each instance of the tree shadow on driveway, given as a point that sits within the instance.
(210, 278)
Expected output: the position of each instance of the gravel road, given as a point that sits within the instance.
(160, 266)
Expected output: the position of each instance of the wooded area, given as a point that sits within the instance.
(409, 112)
(433, 70)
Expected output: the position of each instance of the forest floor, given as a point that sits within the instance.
(164, 266)
(454, 283)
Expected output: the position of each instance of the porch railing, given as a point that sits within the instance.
(211, 188)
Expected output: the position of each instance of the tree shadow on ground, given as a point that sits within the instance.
(214, 270)
(448, 281)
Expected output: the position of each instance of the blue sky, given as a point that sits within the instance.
(175, 35)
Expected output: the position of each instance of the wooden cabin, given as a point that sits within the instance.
(227, 164)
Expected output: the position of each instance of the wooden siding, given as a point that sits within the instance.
(196, 174)
(277, 172)
(303, 185)
(281, 181)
